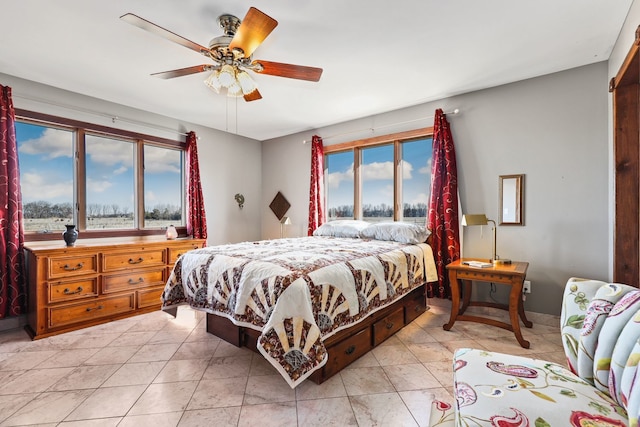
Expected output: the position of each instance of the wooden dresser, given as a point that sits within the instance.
(97, 281)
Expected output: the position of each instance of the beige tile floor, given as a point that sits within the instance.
(154, 370)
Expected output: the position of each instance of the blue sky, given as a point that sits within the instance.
(377, 174)
(46, 169)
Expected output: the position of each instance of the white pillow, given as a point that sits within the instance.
(341, 228)
(396, 231)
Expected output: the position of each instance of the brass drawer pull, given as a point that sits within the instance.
(133, 282)
(68, 291)
(389, 325)
(418, 308)
(96, 308)
(67, 267)
(350, 349)
(135, 261)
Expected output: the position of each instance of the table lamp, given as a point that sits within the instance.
(481, 219)
(284, 221)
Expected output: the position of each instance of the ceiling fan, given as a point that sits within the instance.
(231, 54)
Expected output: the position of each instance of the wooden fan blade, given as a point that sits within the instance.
(255, 27)
(183, 71)
(289, 70)
(253, 96)
(162, 32)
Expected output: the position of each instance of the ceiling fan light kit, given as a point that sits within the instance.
(231, 54)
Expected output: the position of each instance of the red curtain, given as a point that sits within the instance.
(196, 218)
(443, 218)
(316, 191)
(13, 292)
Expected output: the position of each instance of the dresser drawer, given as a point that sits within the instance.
(132, 280)
(72, 290)
(388, 325)
(150, 297)
(68, 266)
(77, 313)
(343, 353)
(137, 259)
(177, 252)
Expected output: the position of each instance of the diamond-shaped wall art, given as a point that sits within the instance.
(279, 205)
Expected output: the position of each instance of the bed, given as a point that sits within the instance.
(309, 305)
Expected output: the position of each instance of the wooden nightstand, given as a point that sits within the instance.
(508, 274)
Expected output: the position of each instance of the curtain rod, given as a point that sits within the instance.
(373, 129)
(97, 113)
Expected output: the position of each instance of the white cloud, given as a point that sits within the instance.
(160, 160)
(420, 198)
(95, 186)
(150, 197)
(51, 144)
(335, 178)
(120, 170)
(39, 188)
(107, 152)
(384, 170)
(426, 170)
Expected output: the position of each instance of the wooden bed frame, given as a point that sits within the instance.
(345, 346)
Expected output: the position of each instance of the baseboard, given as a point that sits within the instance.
(10, 323)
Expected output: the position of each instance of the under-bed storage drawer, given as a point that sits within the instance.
(414, 305)
(346, 351)
(387, 326)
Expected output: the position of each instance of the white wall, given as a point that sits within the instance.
(553, 129)
(229, 164)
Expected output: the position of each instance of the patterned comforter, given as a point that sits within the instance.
(298, 291)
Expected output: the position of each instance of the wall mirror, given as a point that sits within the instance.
(511, 198)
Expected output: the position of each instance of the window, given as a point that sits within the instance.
(106, 181)
(383, 179)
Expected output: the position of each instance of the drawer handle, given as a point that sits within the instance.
(418, 308)
(67, 267)
(350, 349)
(389, 325)
(68, 291)
(96, 308)
(133, 282)
(135, 261)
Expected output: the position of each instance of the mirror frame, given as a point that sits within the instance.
(511, 199)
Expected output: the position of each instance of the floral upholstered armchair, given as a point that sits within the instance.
(600, 387)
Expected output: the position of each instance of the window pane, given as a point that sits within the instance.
(377, 183)
(162, 187)
(110, 183)
(416, 179)
(46, 176)
(339, 170)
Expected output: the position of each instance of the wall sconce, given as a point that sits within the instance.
(239, 199)
(481, 219)
(284, 221)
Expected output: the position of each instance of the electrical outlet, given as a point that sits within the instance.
(526, 287)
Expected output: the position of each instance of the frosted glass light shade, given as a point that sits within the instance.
(234, 90)
(227, 75)
(246, 82)
(213, 82)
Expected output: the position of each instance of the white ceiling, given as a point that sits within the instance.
(377, 55)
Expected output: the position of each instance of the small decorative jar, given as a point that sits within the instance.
(171, 232)
(71, 235)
